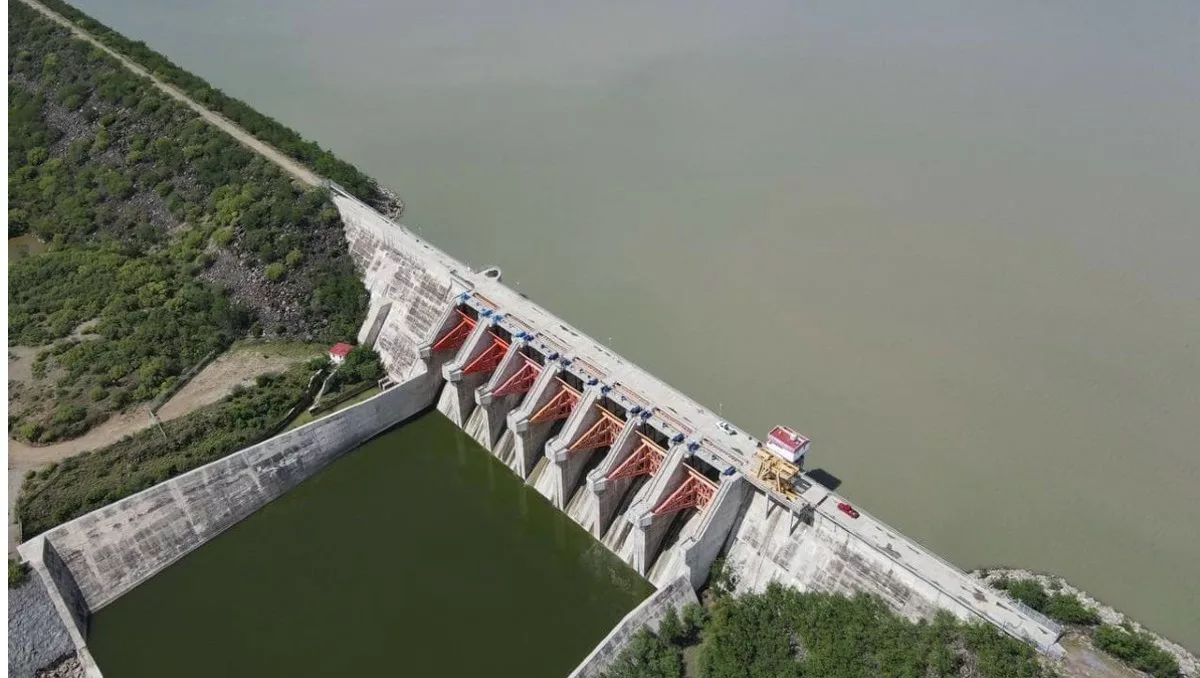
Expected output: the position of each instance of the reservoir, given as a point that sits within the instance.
(952, 243)
(419, 554)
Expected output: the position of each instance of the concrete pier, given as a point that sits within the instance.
(608, 495)
(566, 466)
(648, 528)
(458, 395)
(529, 437)
(493, 409)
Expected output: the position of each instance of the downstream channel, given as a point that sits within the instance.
(416, 554)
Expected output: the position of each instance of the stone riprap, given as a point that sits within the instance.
(37, 637)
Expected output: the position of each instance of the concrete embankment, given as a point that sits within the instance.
(673, 596)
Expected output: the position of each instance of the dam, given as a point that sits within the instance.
(661, 481)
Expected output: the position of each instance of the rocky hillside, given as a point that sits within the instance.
(167, 237)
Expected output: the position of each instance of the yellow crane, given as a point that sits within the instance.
(777, 472)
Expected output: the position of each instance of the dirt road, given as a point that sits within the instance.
(270, 153)
(239, 365)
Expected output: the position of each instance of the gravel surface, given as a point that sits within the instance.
(37, 638)
(68, 667)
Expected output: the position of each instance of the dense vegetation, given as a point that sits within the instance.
(168, 240)
(782, 632)
(1136, 649)
(360, 367)
(88, 481)
(265, 128)
(1065, 608)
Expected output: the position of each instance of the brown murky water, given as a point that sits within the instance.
(953, 244)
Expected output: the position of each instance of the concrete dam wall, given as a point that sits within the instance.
(657, 478)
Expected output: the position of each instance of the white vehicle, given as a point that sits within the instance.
(724, 426)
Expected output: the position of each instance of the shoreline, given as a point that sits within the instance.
(1189, 662)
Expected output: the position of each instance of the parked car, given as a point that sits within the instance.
(847, 509)
(724, 426)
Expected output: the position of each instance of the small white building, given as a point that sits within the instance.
(338, 353)
(788, 444)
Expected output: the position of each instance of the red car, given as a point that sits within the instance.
(847, 509)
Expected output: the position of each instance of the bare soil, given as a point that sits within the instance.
(20, 363)
(239, 365)
(1084, 660)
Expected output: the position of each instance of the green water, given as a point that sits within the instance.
(418, 554)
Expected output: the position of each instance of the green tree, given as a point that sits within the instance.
(670, 629)
(647, 656)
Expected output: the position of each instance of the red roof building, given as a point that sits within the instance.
(339, 352)
(785, 442)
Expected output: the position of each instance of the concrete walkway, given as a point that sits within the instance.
(289, 165)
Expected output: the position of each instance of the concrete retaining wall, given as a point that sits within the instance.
(111, 550)
(411, 285)
(649, 614)
(63, 583)
(769, 547)
(700, 550)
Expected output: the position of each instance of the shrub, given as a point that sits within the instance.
(694, 619)
(293, 258)
(18, 572)
(222, 236)
(68, 414)
(670, 629)
(647, 656)
(1068, 609)
(275, 272)
(1030, 592)
(32, 431)
(1136, 649)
